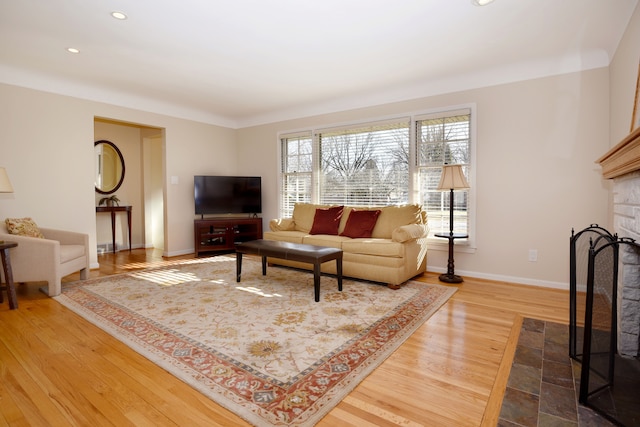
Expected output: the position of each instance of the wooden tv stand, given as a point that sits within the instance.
(217, 235)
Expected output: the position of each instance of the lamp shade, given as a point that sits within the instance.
(452, 178)
(5, 184)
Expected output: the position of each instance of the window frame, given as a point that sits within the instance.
(281, 173)
(464, 245)
(442, 142)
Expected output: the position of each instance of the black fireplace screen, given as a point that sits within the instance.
(609, 383)
(579, 246)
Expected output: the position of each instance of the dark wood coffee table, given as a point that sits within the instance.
(311, 254)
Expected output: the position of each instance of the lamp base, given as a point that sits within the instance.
(450, 278)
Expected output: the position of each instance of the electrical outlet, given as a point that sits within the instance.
(533, 255)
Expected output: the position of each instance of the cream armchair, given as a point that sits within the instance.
(59, 254)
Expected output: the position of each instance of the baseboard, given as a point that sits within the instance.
(178, 253)
(502, 278)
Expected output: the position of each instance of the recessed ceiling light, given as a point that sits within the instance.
(73, 50)
(119, 15)
(481, 2)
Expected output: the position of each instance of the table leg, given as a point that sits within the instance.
(8, 277)
(238, 265)
(339, 271)
(129, 227)
(316, 280)
(113, 231)
(264, 265)
(450, 276)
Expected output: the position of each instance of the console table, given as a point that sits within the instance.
(221, 234)
(113, 210)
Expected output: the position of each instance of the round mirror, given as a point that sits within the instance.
(109, 167)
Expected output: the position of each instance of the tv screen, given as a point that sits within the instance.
(227, 194)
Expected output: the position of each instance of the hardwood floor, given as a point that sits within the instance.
(57, 369)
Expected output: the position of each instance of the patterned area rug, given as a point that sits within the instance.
(261, 348)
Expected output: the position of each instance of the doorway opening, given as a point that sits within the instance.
(142, 188)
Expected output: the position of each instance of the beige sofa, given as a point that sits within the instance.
(395, 252)
(59, 254)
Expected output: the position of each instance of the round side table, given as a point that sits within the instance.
(450, 276)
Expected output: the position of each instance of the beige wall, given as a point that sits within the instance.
(535, 177)
(623, 72)
(46, 144)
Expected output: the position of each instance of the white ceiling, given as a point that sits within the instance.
(242, 62)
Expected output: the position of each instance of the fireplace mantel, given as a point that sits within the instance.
(623, 158)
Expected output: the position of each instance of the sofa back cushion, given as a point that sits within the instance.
(389, 219)
(303, 215)
(392, 217)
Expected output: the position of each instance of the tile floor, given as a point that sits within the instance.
(541, 388)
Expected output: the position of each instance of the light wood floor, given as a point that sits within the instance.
(57, 369)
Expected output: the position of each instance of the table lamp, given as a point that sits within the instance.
(452, 179)
(5, 184)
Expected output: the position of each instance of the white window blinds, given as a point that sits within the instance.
(367, 165)
(443, 138)
(297, 168)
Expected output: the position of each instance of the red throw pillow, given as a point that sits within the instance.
(360, 223)
(327, 220)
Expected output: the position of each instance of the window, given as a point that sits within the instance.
(296, 172)
(380, 163)
(443, 139)
(364, 166)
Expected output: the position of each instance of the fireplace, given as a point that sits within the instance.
(610, 362)
(622, 165)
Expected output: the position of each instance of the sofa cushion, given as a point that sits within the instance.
(285, 236)
(368, 262)
(327, 220)
(360, 223)
(23, 227)
(324, 240)
(70, 252)
(380, 247)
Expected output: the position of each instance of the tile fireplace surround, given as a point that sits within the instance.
(622, 164)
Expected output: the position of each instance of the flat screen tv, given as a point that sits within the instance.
(227, 194)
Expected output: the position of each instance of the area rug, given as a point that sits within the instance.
(261, 348)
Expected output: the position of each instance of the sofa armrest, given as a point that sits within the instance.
(282, 224)
(66, 237)
(30, 249)
(409, 232)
